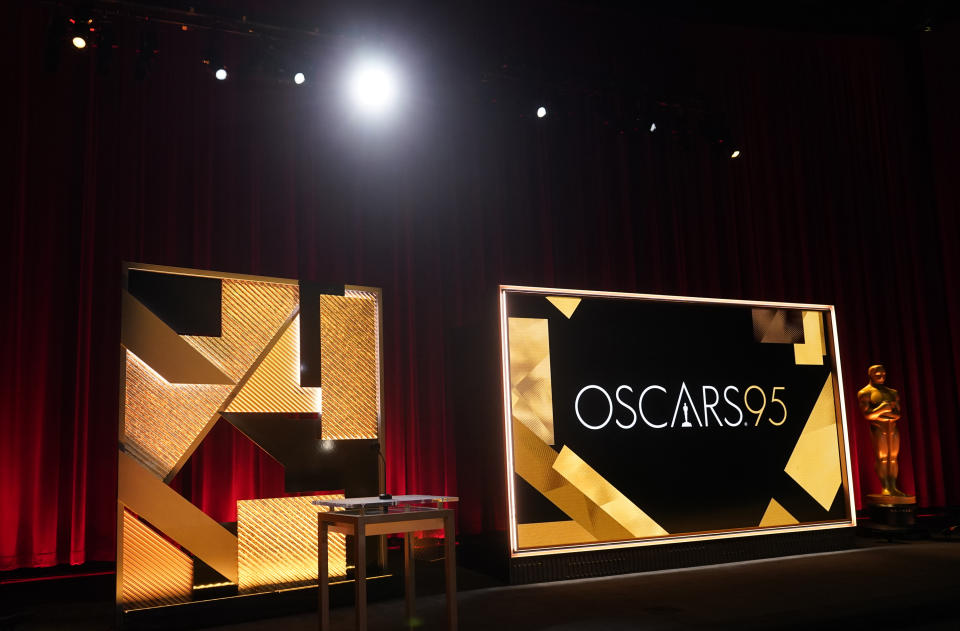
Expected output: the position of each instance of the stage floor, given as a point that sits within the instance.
(901, 585)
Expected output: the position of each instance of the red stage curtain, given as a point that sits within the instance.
(845, 194)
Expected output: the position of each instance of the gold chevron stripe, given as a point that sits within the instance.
(159, 346)
(533, 461)
(150, 570)
(177, 518)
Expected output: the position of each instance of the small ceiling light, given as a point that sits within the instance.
(221, 73)
(299, 78)
(79, 42)
(653, 127)
(735, 154)
(541, 112)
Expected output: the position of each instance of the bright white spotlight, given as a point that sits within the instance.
(735, 154)
(541, 112)
(653, 127)
(220, 74)
(372, 86)
(79, 42)
(299, 78)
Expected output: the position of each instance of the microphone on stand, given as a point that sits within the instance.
(376, 447)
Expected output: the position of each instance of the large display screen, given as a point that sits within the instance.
(635, 419)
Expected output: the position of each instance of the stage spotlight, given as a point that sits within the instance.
(541, 112)
(372, 87)
(735, 154)
(221, 73)
(653, 127)
(299, 78)
(79, 41)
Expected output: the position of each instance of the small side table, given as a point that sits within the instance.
(370, 516)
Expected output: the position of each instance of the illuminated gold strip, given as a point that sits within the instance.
(531, 387)
(811, 352)
(348, 367)
(251, 313)
(177, 518)
(199, 273)
(815, 461)
(776, 515)
(565, 304)
(274, 385)
(278, 543)
(587, 293)
(162, 419)
(551, 533)
(605, 495)
(159, 346)
(534, 460)
(152, 571)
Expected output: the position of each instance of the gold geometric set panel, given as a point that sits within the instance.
(278, 543)
(534, 461)
(150, 570)
(531, 386)
(176, 391)
(565, 304)
(274, 385)
(605, 495)
(552, 533)
(251, 314)
(814, 346)
(153, 341)
(173, 515)
(162, 419)
(814, 464)
(776, 515)
(349, 367)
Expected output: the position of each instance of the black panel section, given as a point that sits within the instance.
(689, 474)
(310, 330)
(312, 464)
(533, 506)
(190, 305)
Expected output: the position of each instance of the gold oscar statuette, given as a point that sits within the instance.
(880, 405)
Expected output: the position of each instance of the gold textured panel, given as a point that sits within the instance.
(776, 515)
(274, 385)
(551, 533)
(159, 346)
(177, 518)
(565, 304)
(814, 347)
(349, 369)
(531, 387)
(815, 462)
(605, 495)
(251, 313)
(533, 461)
(161, 419)
(151, 571)
(278, 543)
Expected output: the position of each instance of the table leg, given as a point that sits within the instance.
(322, 574)
(408, 577)
(450, 569)
(360, 575)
